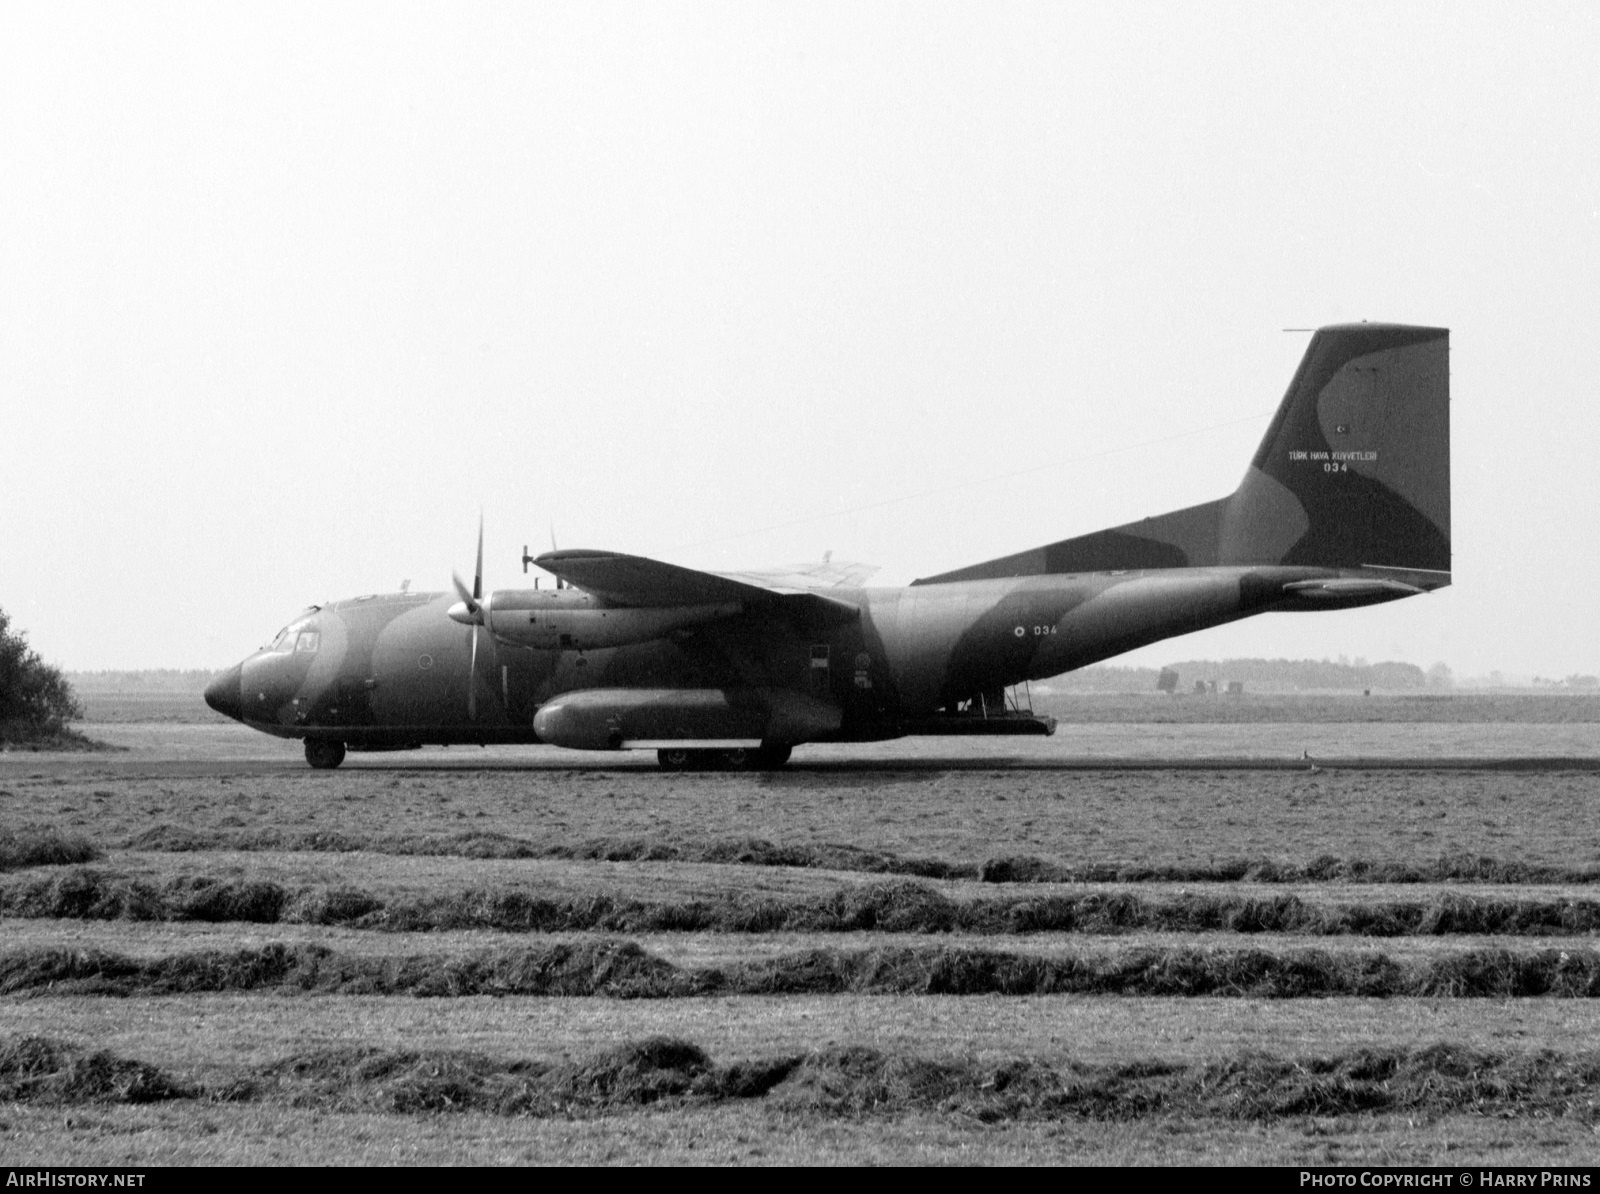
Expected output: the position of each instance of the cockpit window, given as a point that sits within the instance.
(293, 638)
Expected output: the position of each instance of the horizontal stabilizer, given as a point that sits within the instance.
(1345, 588)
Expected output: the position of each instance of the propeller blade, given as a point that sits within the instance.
(467, 598)
(477, 576)
(473, 612)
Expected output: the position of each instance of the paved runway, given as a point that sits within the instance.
(193, 749)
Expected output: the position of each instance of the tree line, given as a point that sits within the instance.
(1326, 674)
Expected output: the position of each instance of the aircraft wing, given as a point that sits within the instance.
(807, 578)
(637, 581)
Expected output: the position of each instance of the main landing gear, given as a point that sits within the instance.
(324, 754)
(768, 757)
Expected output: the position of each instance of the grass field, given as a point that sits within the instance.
(212, 957)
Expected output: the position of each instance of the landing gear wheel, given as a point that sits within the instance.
(772, 755)
(324, 755)
(675, 758)
(769, 756)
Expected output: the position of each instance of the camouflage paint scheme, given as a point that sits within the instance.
(1346, 503)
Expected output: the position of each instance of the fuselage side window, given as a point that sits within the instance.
(307, 643)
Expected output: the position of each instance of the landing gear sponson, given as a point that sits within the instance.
(325, 754)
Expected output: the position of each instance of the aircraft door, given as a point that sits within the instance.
(355, 700)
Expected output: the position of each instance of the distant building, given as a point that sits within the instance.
(1167, 681)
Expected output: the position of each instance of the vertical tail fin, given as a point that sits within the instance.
(1354, 472)
(1355, 468)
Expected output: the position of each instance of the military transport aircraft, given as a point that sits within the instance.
(1346, 503)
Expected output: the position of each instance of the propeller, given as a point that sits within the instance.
(472, 611)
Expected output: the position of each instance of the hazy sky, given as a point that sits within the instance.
(288, 293)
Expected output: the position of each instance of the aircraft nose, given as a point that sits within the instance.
(224, 695)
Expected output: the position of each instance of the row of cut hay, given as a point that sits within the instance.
(481, 844)
(44, 847)
(37, 1069)
(835, 1081)
(88, 893)
(1327, 868)
(622, 969)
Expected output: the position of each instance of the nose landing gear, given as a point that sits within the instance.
(324, 754)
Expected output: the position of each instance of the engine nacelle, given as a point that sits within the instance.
(572, 620)
(647, 718)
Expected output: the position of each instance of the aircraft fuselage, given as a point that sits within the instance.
(393, 670)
